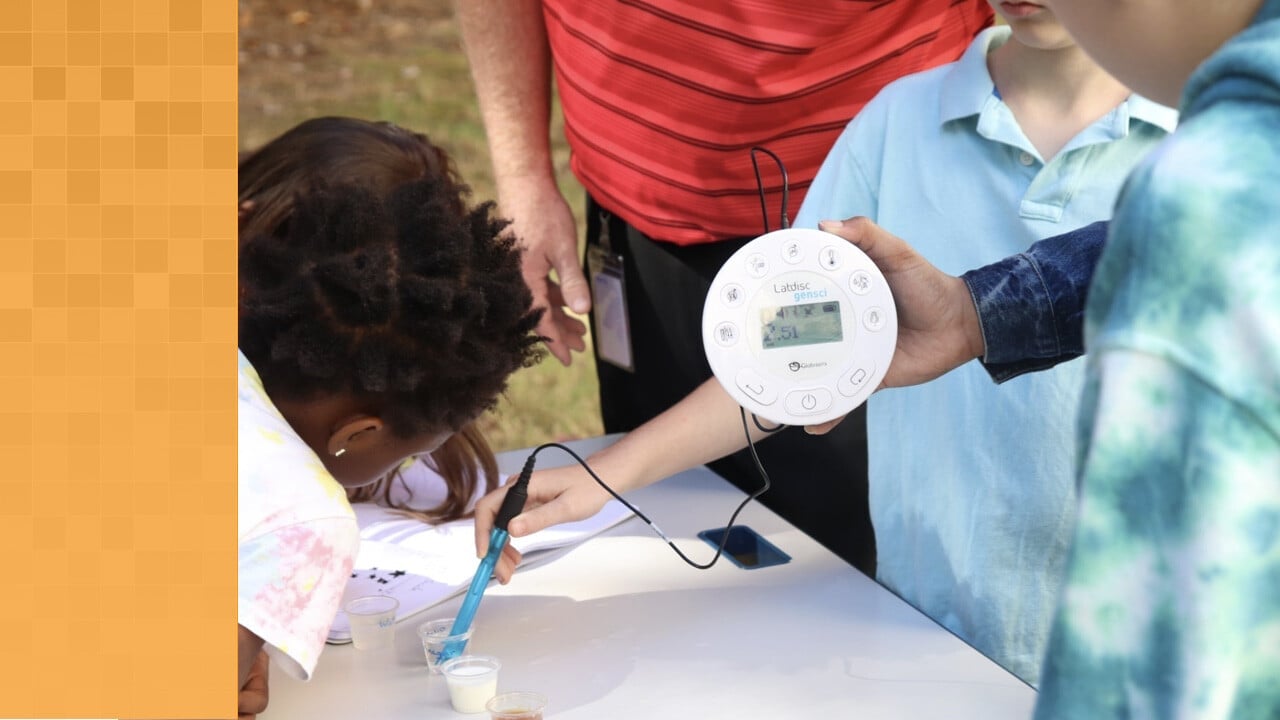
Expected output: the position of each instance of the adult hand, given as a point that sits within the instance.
(542, 221)
(938, 328)
(253, 696)
(556, 496)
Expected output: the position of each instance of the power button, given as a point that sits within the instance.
(808, 401)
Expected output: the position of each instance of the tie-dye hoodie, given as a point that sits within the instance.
(1171, 607)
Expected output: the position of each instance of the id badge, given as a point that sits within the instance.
(609, 297)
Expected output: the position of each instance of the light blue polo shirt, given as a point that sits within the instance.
(972, 485)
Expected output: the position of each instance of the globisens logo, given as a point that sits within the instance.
(798, 366)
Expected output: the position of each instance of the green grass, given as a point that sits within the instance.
(420, 82)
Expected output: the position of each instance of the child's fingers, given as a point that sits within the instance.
(510, 552)
(505, 568)
(246, 208)
(253, 696)
(543, 516)
(507, 563)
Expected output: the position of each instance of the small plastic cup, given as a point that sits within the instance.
(373, 621)
(519, 705)
(435, 635)
(472, 681)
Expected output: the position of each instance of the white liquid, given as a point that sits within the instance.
(471, 687)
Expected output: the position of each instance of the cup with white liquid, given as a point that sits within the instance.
(472, 681)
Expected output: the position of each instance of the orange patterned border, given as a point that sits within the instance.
(117, 357)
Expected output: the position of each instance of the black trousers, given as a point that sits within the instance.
(819, 483)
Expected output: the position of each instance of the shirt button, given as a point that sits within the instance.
(1026, 158)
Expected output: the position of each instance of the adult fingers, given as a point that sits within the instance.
(824, 428)
(886, 250)
(573, 284)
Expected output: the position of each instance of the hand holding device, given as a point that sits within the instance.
(938, 326)
(799, 326)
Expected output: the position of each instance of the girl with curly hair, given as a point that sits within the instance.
(379, 314)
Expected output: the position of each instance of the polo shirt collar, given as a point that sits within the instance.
(968, 86)
(969, 89)
(1152, 113)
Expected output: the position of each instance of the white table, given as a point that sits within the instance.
(619, 627)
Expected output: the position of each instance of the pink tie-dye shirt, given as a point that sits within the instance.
(298, 534)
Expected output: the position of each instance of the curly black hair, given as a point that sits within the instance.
(405, 298)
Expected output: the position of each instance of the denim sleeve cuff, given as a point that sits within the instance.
(1015, 314)
(1031, 306)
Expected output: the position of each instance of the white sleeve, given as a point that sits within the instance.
(291, 584)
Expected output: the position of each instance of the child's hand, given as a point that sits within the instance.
(507, 563)
(556, 496)
(938, 327)
(253, 696)
(245, 210)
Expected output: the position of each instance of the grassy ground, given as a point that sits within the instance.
(400, 60)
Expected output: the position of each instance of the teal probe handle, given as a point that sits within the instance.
(497, 541)
(512, 505)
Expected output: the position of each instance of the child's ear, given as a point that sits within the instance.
(354, 434)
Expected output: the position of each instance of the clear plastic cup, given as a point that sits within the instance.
(373, 621)
(472, 681)
(520, 705)
(435, 635)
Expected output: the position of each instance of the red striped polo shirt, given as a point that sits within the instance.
(663, 99)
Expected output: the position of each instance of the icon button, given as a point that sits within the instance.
(855, 380)
(732, 295)
(792, 252)
(860, 282)
(831, 257)
(755, 387)
(757, 265)
(726, 334)
(808, 401)
(874, 318)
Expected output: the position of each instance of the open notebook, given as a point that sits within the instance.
(422, 565)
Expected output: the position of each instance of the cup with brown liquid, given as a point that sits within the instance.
(516, 706)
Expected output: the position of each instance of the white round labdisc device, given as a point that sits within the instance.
(799, 326)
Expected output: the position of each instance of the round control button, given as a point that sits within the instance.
(860, 282)
(873, 318)
(757, 265)
(726, 334)
(830, 257)
(732, 295)
(755, 386)
(808, 401)
(855, 380)
(792, 252)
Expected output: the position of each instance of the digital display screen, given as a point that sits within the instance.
(808, 324)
